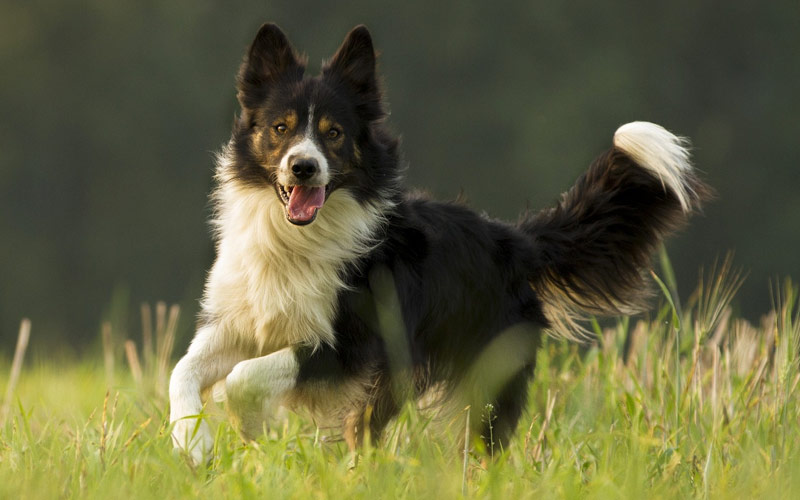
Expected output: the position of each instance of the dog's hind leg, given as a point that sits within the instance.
(373, 417)
(499, 419)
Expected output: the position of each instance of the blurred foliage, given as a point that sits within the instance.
(111, 112)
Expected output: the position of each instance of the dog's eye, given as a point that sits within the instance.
(333, 133)
(281, 128)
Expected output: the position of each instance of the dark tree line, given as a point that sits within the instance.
(111, 112)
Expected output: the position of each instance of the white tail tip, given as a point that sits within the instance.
(663, 153)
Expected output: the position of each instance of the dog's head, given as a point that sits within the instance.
(306, 137)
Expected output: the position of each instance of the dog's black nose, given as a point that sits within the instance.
(304, 168)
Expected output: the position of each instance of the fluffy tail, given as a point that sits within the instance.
(594, 248)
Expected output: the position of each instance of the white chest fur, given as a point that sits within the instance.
(275, 284)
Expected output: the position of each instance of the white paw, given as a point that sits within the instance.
(194, 437)
(247, 403)
(255, 386)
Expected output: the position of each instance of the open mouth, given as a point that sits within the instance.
(302, 202)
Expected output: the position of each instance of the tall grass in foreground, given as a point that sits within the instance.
(689, 402)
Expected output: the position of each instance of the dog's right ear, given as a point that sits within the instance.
(353, 66)
(270, 59)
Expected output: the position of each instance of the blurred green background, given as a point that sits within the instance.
(110, 113)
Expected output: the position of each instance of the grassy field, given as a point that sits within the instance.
(687, 402)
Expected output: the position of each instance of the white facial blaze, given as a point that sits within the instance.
(310, 123)
(306, 147)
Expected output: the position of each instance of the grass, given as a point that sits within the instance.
(690, 402)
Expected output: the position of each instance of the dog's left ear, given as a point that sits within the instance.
(354, 65)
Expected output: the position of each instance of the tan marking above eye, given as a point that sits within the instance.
(329, 128)
(284, 123)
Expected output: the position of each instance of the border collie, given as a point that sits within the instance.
(336, 290)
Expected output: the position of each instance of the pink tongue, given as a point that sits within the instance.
(304, 202)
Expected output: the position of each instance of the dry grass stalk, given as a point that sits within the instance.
(744, 349)
(157, 345)
(715, 292)
(133, 361)
(699, 394)
(722, 327)
(166, 343)
(794, 385)
(538, 451)
(16, 366)
(108, 352)
(147, 336)
(114, 408)
(528, 435)
(637, 335)
(727, 382)
(787, 332)
(161, 321)
(103, 431)
(715, 386)
(690, 380)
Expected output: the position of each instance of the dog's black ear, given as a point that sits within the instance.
(355, 60)
(270, 58)
(354, 65)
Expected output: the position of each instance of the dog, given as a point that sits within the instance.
(337, 290)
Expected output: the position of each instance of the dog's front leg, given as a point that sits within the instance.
(208, 360)
(256, 385)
